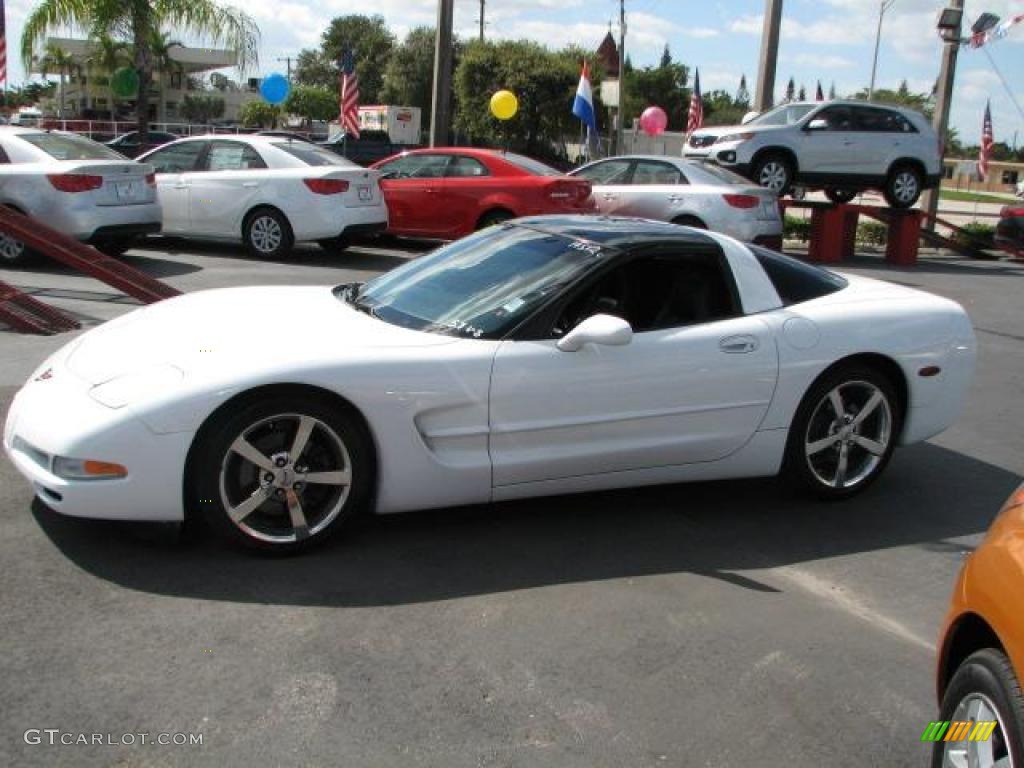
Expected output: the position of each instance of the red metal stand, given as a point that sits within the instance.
(904, 237)
(25, 313)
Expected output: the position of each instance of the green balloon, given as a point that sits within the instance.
(125, 82)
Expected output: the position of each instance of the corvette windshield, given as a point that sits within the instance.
(480, 287)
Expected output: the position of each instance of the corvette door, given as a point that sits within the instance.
(225, 188)
(692, 386)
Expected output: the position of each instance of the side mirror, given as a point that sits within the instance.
(818, 124)
(608, 330)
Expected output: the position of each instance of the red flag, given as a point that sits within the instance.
(349, 117)
(985, 153)
(696, 117)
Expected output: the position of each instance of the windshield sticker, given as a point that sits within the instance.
(461, 327)
(582, 245)
(513, 305)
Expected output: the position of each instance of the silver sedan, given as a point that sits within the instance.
(688, 192)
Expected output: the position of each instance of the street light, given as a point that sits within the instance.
(884, 6)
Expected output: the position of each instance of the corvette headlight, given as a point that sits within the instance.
(130, 387)
(87, 469)
(730, 137)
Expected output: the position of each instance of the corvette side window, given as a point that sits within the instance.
(656, 292)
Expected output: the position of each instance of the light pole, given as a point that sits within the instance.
(884, 6)
(949, 29)
(764, 95)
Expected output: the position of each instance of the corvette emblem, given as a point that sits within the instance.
(47, 374)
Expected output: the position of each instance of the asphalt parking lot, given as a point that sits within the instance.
(716, 624)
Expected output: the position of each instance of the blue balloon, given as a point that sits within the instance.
(274, 88)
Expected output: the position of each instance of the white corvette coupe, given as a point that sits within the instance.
(547, 355)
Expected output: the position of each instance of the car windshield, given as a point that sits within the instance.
(480, 287)
(787, 114)
(530, 165)
(63, 147)
(311, 154)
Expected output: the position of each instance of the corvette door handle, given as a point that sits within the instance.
(738, 345)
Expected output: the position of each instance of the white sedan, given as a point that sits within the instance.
(267, 191)
(687, 192)
(546, 355)
(77, 186)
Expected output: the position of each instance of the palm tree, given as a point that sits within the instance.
(137, 20)
(163, 65)
(106, 57)
(57, 60)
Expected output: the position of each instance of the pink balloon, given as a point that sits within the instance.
(653, 121)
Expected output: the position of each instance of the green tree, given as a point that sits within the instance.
(901, 97)
(664, 87)
(259, 114)
(720, 108)
(312, 103)
(105, 58)
(135, 22)
(165, 66)
(742, 94)
(409, 76)
(372, 42)
(202, 107)
(666, 57)
(543, 81)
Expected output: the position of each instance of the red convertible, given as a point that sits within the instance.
(448, 192)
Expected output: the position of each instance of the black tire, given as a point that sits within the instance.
(986, 673)
(689, 221)
(115, 246)
(840, 195)
(267, 233)
(219, 478)
(903, 186)
(819, 439)
(775, 172)
(493, 219)
(334, 244)
(14, 253)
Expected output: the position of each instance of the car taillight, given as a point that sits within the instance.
(151, 179)
(327, 186)
(1011, 213)
(74, 182)
(742, 201)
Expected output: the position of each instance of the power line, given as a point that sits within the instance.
(1002, 79)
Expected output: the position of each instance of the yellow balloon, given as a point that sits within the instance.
(504, 105)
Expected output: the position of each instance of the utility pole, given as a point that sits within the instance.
(943, 100)
(764, 97)
(288, 62)
(619, 113)
(883, 6)
(440, 112)
(482, 3)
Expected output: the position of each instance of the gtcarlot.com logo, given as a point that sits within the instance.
(57, 737)
(959, 730)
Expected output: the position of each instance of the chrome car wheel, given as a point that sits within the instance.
(905, 187)
(848, 434)
(285, 478)
(988, 753)
(265, 234)
(773, 173)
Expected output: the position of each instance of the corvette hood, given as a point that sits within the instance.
(281, 325)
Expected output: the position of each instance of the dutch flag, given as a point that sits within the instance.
(583, 104)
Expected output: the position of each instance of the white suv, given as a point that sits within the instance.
(844, 147)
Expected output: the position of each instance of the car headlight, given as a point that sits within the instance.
(734, 137)
(87, 469)
(122, 390)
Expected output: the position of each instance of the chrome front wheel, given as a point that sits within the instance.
(988, 752)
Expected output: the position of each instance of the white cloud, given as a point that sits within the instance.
(818, 61)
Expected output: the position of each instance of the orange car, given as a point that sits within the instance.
(981, 656)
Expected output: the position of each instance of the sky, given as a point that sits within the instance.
(827, 40)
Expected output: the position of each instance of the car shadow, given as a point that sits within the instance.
(360, 256)
(713, 529)
(137, 257)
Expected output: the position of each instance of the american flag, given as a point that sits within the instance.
(3, 45)
(349, 117)
(696, 117)
(986, 143)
